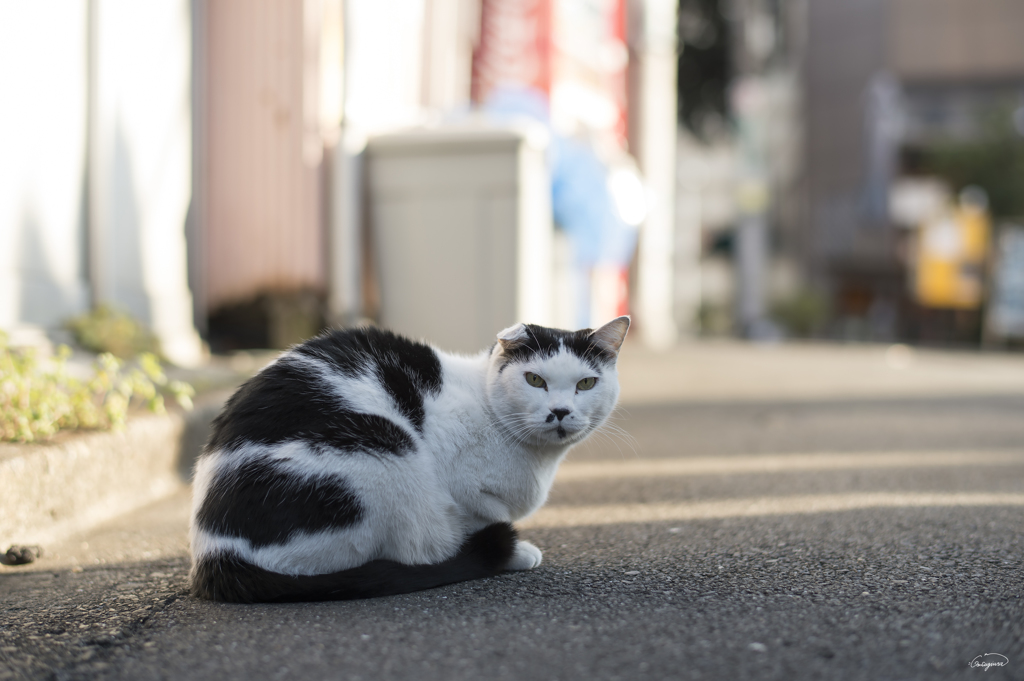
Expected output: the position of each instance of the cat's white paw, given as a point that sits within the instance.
(526, 557)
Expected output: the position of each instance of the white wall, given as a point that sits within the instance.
(141, 164)
(42, 161)
(129, 196)
(654, 144)
(384, 52)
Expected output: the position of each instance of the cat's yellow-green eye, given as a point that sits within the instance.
(535, 380)
(586, 383)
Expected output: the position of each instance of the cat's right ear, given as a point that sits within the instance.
(513, 335)
(610, 336)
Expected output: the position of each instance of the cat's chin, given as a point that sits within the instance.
(563, 436)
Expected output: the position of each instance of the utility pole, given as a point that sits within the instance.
(756, 33)
(652, 138)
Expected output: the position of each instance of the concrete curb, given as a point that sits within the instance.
(50, 491)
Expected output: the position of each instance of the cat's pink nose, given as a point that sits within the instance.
(560, 413)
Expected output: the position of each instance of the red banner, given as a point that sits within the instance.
(514, 47)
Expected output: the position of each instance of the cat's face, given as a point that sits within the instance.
(552, 387)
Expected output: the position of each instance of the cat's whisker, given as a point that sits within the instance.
(620, 411)
(515, 436)
(616, 435)
(623, 434)
(512, 430)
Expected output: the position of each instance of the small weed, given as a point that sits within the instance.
(106, 329)
(38, 397)
(802, 314)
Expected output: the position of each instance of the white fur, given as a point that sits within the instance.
(526, 557)
(487, 454)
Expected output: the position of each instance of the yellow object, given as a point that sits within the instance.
(752, 196)
(951, 255)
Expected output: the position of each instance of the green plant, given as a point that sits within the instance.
(993, 160)
(38, 397)
(803, 313)
(715, 319)
(106, 329)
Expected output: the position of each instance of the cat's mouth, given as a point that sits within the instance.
(564, 433)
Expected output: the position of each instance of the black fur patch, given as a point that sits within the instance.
(407, 370)
(286, 402)
(227, 577)
(263, 503)
(546, 342)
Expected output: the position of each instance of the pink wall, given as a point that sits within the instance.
(263, 228)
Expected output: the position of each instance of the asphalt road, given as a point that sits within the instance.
(727, 539)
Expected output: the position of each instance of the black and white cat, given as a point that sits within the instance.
(361, 463)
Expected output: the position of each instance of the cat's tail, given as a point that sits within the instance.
(227, 577)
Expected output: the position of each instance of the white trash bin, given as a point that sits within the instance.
(461, 231)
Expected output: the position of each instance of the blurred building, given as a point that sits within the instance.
(291, 95)
(898, 92)
(202, 163)
(740, 159)
(856, 122)
(211, 174)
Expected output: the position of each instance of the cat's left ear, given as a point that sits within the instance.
(513, 335)
(610, 336)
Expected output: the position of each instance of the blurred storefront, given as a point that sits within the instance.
(740, 166)
(214, 177)
(563, 64)
(901, 94)
(291, 93)
(859, 125)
